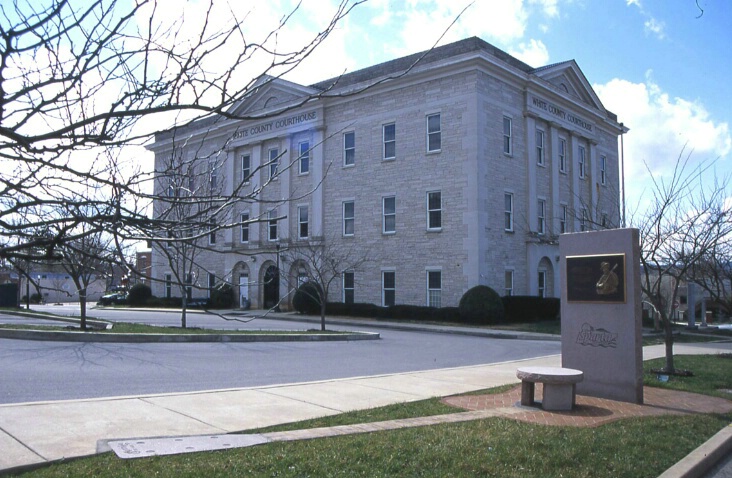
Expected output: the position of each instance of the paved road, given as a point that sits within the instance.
(38, 371)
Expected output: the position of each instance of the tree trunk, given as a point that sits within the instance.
(669, 343)
(82, 308)
(184, 307)
(322, 315)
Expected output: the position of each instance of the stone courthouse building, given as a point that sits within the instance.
(463, 171)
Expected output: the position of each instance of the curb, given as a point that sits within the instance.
(59, 336)
(704, 458)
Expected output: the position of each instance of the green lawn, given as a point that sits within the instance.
(497, 447)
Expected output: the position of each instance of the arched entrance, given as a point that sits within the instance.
(545, 279)
(271, 287)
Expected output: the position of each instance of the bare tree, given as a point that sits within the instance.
(684, 223)
(81, 81)
(86, 260)
(325, 263)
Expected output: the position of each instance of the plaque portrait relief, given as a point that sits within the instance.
(598, 278)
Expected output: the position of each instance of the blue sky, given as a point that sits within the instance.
(663, 66)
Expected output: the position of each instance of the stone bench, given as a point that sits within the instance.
(559, 386)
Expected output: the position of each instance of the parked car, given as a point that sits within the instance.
(113, 299)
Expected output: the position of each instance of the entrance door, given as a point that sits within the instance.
(244, 291)
(271, 287)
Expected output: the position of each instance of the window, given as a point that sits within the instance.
(213, 178)
(583, 221)
(562, 155)
(272, 226)
(604, 220)
(168, 286)
(434, 133)
(189, 286)
(434, 288)
(349, 287)
(508, 207)
(246, 167)
(603, 170)
(349, 215)
(211, 234)
(302, 222)
(304, 157)
(542, 284)
(582, 162)
(273, 159)
(389, 212)
(563, 219)
(434, 210)
(388, 288)
(211, 283)
(389, 131)
(539, 147)
(507, 142)
(541, 216)
(244, 227)
(349, 148)
(508, 282)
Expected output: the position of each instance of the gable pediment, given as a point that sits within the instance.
(568, 79)
(269, 94)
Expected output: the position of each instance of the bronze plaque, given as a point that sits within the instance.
(596, 278)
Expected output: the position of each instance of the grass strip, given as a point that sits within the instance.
(130, 328)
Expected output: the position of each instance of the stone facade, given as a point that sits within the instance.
(496, 183)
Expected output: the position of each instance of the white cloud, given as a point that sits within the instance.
(655, 27)
(550, 7)
(661, 127)
(533, 53)
(651, 25)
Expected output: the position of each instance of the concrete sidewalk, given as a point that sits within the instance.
(40, 432)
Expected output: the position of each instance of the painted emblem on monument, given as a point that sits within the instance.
(597, 337)
(596, 278)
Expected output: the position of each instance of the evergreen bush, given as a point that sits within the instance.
(222, 297)
(481, 305)
(307, 299)
(139, 294)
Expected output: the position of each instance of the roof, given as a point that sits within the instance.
(468, 45)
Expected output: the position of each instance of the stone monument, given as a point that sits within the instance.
(601, 312)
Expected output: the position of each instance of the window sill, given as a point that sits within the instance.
(434, 229)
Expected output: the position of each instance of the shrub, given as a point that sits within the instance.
(139, 294)
(222, 297)
(481, 305)
(307, 299)
(525, 308)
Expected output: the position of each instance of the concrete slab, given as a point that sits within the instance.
(64, 429)
(14, 452)
(238, 410)
(145, 447)
(421, 386)
(342, 396)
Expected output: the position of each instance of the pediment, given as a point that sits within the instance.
(268, 94)
(569, 79)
